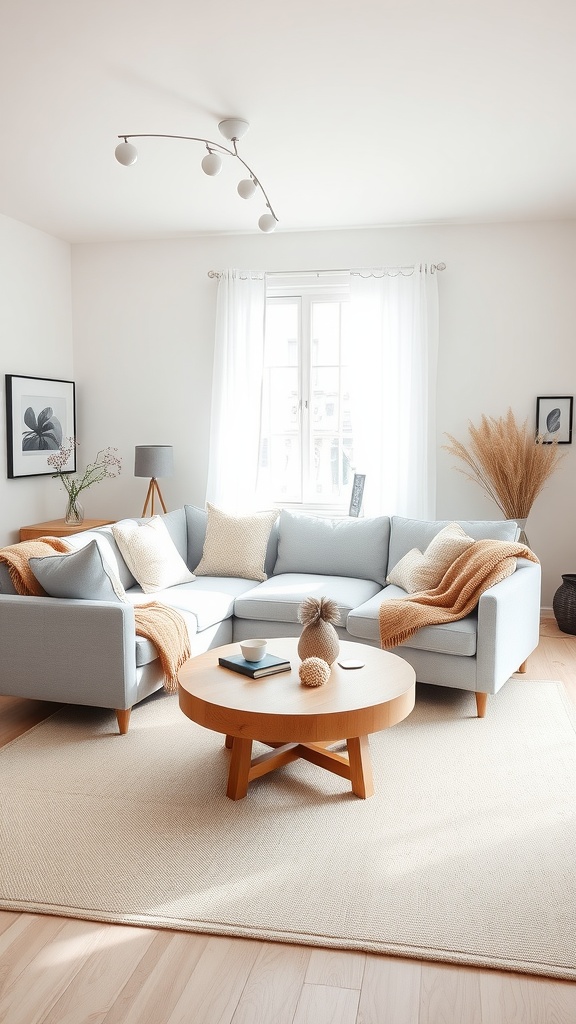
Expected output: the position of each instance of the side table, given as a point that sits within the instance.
(60, 528)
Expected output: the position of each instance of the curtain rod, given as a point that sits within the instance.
(380, 272)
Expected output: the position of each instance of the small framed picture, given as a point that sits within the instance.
(357, 494)
(554, 419)
(40, 415)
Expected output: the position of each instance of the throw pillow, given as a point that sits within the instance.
(236, 545)
(84, 575)
(335, 547)
(151, 555)
(416, 571)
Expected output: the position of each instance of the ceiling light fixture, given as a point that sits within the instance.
(233, 129)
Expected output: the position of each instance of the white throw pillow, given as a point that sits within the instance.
(151, 555)
(416, 571)
(236, 545)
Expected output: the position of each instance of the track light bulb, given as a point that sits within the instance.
(246, 188)
(267, 222)
(126, 154)
(212, 164)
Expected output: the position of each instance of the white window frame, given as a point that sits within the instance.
(305, 292)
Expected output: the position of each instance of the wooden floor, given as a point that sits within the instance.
(59, 971)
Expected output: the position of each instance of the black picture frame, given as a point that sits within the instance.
(357, 494)
(554, 418)
(40, 416)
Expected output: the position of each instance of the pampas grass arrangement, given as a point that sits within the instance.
(510, 464)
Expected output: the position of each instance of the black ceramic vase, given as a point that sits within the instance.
(564, 604)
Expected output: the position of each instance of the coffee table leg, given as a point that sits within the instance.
(360, 766)
(240, 763)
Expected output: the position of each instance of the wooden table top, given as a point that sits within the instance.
(354, 702)
(60, 528)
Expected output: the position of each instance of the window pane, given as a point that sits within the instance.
(280, 457)
(306, 452)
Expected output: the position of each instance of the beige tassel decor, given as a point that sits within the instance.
(319, 639)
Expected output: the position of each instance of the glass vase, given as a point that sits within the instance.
(74, 514)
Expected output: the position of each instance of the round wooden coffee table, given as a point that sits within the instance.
(295, 720)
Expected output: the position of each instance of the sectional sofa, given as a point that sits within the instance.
(233, 578)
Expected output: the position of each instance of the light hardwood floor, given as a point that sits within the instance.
(61, 971)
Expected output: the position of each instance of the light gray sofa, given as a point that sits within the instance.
(86, 651)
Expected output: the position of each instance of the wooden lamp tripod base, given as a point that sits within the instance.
(153, 489)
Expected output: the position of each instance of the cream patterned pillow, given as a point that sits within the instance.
(236, 545)
(151, 555)
(416, 571)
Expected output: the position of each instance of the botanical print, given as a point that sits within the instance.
(43, 428)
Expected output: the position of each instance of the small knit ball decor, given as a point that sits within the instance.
(314, 672)
(319, 639)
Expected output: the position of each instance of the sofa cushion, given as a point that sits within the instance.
(236, 545)
(85, 575)
(151, 554)
(196, 519)
(278, 599)
(175, 523)
(338, 547)
(203, 603)
(453, 638)
(109, 548)
(209, 598)
(417, 533)
(418, 571)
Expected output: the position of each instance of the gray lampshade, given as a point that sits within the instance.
(153, 460)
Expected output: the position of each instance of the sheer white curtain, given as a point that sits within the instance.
(395, 345)
(237, 390)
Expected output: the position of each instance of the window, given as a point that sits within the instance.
(307, 444)
(318, 377)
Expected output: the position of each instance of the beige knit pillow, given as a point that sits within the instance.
(236, 545)
(151, 555)
(416, 571)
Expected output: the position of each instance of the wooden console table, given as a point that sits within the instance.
(60, 528)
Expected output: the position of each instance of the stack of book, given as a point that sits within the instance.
(269, 665)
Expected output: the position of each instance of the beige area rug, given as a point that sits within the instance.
(466, 854)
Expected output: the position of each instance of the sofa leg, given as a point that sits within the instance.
(523, 666)
(481, 702)
(123, 719)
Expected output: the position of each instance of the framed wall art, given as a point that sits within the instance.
(40, 415)
(554, 419)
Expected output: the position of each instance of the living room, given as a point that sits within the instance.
(128, 312)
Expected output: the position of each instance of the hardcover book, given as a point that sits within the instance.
(269, 665)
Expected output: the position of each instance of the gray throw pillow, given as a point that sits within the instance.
(333, 547)
(84, 575)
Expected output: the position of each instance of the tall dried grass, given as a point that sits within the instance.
(509, 463)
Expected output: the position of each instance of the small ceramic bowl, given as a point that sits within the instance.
(253, 650)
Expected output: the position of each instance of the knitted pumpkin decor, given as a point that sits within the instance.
(319, 639)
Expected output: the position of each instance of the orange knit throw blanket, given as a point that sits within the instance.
(166, 628)
(482, 565)
(16, 557)
(163, 625)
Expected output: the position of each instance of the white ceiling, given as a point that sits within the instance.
(374, 112)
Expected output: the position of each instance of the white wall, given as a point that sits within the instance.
(35, 340)
(143, 317)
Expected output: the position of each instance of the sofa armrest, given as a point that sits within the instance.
(76, 652)
(508, 625)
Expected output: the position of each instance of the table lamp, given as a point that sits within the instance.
(153, 460)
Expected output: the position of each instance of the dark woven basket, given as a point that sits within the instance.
(564, 604)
